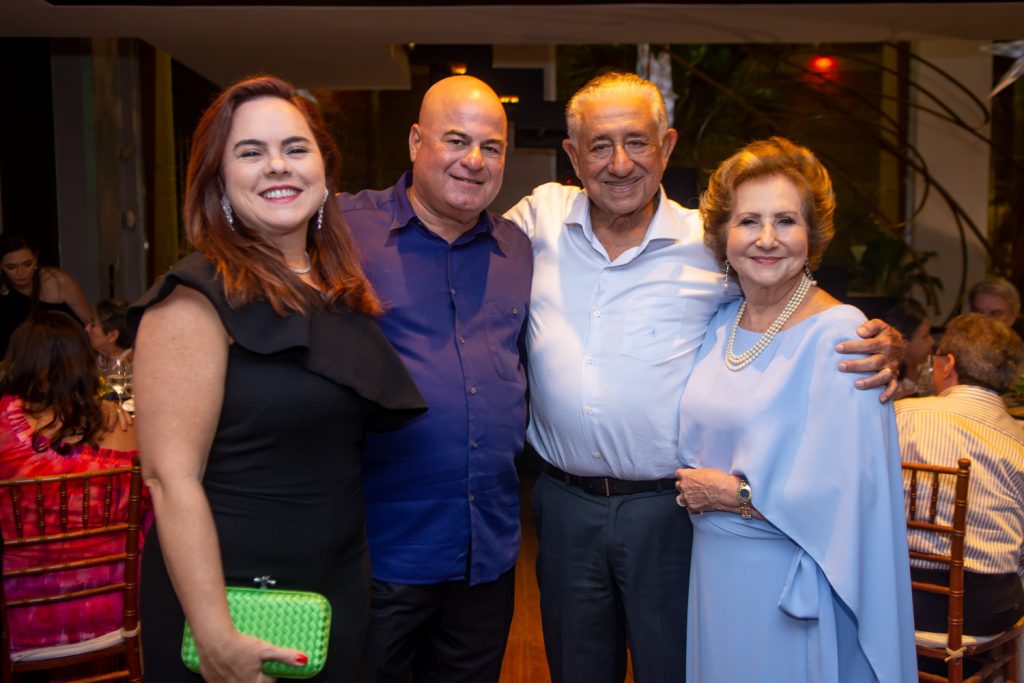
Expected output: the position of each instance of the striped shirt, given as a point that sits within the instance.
(968, 421)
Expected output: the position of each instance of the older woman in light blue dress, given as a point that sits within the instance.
(791, 475)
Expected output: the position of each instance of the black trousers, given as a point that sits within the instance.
(992, 602)
(613, 572)
(445, 632)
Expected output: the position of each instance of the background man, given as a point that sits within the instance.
(978, 359)
(442, 492)
(622, 295)
(998, 298)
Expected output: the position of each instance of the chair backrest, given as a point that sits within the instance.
(922, 513)
(91, 506)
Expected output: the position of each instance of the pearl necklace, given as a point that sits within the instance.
(736, 363)
(303, 271)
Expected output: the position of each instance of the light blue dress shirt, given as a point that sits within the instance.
(611, 343)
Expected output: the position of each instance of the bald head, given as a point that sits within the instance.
(462, 91)
(458, 154)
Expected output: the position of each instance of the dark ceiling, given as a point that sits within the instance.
(344, 46)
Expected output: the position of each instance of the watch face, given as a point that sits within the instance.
(744, 493)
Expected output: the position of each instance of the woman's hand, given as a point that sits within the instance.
(115, 417)
(239, 659)
(704, 489)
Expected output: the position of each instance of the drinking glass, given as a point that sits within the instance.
(119, 379)
(925, 383)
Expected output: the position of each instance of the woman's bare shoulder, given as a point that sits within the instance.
(822, 301)
(817, 302)
(53, 282)
(185, 312)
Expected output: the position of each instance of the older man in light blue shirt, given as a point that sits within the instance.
(623, 291)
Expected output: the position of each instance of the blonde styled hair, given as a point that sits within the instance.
(776, 156)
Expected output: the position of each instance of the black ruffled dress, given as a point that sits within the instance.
(283, 477)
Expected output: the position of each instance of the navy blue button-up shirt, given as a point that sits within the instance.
(442, 491)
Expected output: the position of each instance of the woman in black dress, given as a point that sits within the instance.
(258, 368)
(26, 287)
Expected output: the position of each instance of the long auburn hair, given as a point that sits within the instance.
(50, 366)
(251, 266)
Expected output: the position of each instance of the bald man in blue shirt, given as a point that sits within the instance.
(442, 491)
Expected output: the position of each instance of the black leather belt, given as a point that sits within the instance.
(607, 486)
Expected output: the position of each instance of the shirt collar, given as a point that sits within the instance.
(974, 391)
(661, 229)
(404, 214)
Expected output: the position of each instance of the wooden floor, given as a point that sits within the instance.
(524, 656)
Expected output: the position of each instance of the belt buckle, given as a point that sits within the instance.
(607, 489)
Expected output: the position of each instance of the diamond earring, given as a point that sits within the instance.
(320, 213)
(225, 206)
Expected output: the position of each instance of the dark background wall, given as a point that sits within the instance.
(27, 171)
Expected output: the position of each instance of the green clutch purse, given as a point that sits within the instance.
(292, 619)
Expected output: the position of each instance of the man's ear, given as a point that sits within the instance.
(668, 143)
(945, 365)
(573, 153)
(415, 139)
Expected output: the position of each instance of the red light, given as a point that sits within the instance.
(823, 64)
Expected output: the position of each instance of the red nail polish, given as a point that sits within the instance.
(302, 660)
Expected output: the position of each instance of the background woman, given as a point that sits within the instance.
(25, 287)
(257, 370)
(800, 567)
(51, 422)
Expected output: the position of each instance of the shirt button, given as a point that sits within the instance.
(471, 498)
(587, 410)
(462, 340)
(589, 360)
(597, 313)
(597, 454)
(452, 291)
(473, 444)
(515, 310)
(472, 391)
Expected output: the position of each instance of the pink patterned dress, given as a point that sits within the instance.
(70, 622)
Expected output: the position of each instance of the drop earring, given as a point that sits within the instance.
(808, 273)
(225, 206)
(726, 275)
(320, 213)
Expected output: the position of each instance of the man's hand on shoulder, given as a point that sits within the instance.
(883, 346)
